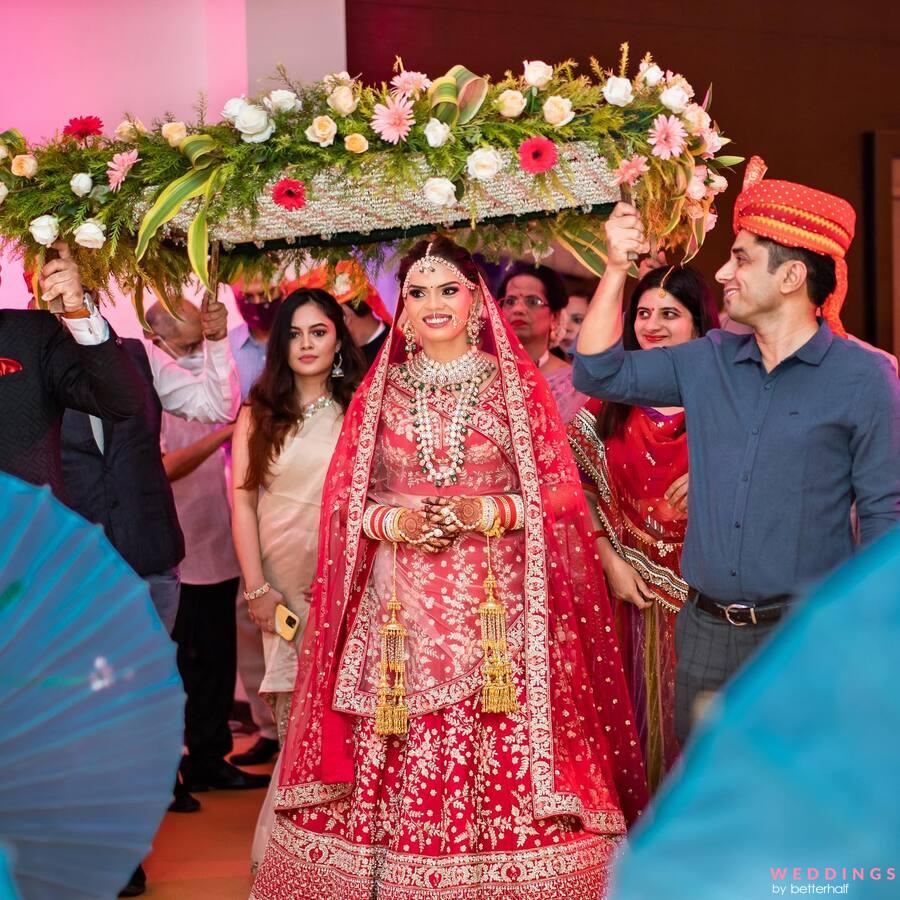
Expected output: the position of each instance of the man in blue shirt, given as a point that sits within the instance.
(787, 426)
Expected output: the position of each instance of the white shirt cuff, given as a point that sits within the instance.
(90, 330)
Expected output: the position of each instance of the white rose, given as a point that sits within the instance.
(335, 79)
(696, 189)
(484, 163)
(282, 101)
(675, 98)
(44, 229)
(652, 75)
(342, 100)
(4, 151)
(129, 130)
(717, 183)
(254, 124)
(436, 133)
(342, 284)
(617, 91)
(537, 73)
(4, 190)
(91, 234)
(322, 131)
(233, 107)
(440, 191)
(174, 132)
(81, 184)
(558, 111)
(511, 104)
(696, 118)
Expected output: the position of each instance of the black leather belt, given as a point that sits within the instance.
(739, 614)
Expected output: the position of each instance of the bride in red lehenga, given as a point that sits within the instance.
(461, 726)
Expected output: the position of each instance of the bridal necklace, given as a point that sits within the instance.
(312, 408)
(464, 376)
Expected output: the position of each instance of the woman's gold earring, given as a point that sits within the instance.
(410, 336)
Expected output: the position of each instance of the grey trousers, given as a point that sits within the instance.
(708, 652)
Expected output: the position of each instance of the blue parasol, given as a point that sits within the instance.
(791, 784)
(91, 704)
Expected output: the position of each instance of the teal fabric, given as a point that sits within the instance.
(91, 703)
(796, 767)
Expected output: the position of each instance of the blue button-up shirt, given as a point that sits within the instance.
(249, 356)
(776, 458)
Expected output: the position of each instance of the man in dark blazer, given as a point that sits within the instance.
(43, 371)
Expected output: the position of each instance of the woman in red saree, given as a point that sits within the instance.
(634, 462)
(461, 726)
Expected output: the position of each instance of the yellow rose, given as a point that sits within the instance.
(24, 165)
(356, 143)
(322, 131)
(174, 132)
(128, 131)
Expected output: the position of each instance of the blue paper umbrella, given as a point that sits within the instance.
(90, 704)
(792, 785)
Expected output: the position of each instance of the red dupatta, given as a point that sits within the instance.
(591, 768)
(631, 472)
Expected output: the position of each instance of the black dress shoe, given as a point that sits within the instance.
(261, 752)
(137, 884)
(219, 775)
(184, 803)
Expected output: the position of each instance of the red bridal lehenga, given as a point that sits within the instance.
(629, 474)
(467, 804)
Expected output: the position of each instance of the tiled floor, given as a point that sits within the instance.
(206, 855)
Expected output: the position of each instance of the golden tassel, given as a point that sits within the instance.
(498, 693)
(391, 712)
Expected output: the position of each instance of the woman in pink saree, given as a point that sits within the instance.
(461, 726)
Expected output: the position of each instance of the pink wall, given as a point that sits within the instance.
(105, 58)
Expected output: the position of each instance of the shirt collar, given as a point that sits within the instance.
(812, 352)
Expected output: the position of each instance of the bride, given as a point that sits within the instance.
(460, 725)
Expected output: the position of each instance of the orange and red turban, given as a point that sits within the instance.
(799, 216)
(347, 282)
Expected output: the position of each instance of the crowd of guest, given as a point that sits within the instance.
(203, 454)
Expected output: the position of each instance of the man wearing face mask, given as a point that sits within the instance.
(113, 471)
(205, 631)
(258, 303)
(114, 474)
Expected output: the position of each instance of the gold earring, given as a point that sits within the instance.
(410, 336)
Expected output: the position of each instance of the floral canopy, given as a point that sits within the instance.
(337, 168)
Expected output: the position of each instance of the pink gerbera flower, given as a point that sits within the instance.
(83, 127)
(537, 154)
(119, 166)
(667, 137)
(289, 194)
(393, 119)
(410, 84)
(631, 169)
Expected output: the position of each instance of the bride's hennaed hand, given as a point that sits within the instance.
(454, 514)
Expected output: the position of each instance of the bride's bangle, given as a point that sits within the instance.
(489, 515)
(259, 592)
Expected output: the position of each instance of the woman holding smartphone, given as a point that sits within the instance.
(283, 443)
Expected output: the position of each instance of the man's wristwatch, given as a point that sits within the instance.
(88, 308)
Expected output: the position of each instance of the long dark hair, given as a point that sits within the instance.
(687, 286)
(274, 406)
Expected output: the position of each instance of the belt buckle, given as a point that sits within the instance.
(732, 606)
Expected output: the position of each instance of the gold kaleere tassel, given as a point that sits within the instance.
(498, 693)
(391, 712)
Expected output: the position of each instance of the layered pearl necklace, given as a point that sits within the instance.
(424, 376)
